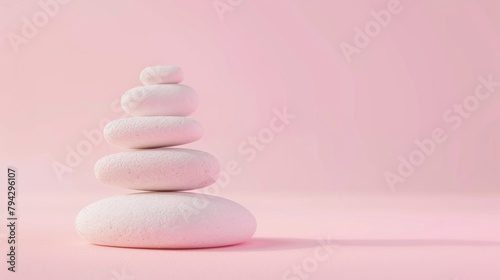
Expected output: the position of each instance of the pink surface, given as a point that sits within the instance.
(384, 136)
(369, 237)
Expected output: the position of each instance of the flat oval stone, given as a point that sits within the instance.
(152, 132)
(165, 220)
(161, 74)
(164, 169)
(160, 100)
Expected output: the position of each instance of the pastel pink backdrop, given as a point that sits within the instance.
(353, 121)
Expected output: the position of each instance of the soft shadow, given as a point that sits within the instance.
(269, 244)
(282, 244)
(254, 244)
(279, 244)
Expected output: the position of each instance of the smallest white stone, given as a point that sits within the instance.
(161, 74)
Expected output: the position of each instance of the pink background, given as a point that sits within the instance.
(352, 120)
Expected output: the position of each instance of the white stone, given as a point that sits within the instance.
(164, 169)
(165, 220)
(160, 100)
(161, 74)
(152, 132)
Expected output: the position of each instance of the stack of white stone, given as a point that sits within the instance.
(162, 217)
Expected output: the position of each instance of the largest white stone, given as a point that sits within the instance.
(165, 220)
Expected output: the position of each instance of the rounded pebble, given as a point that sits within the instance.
(162, 74)
(160, 100)
(164, 169)
(165, 220)
(152, 132)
